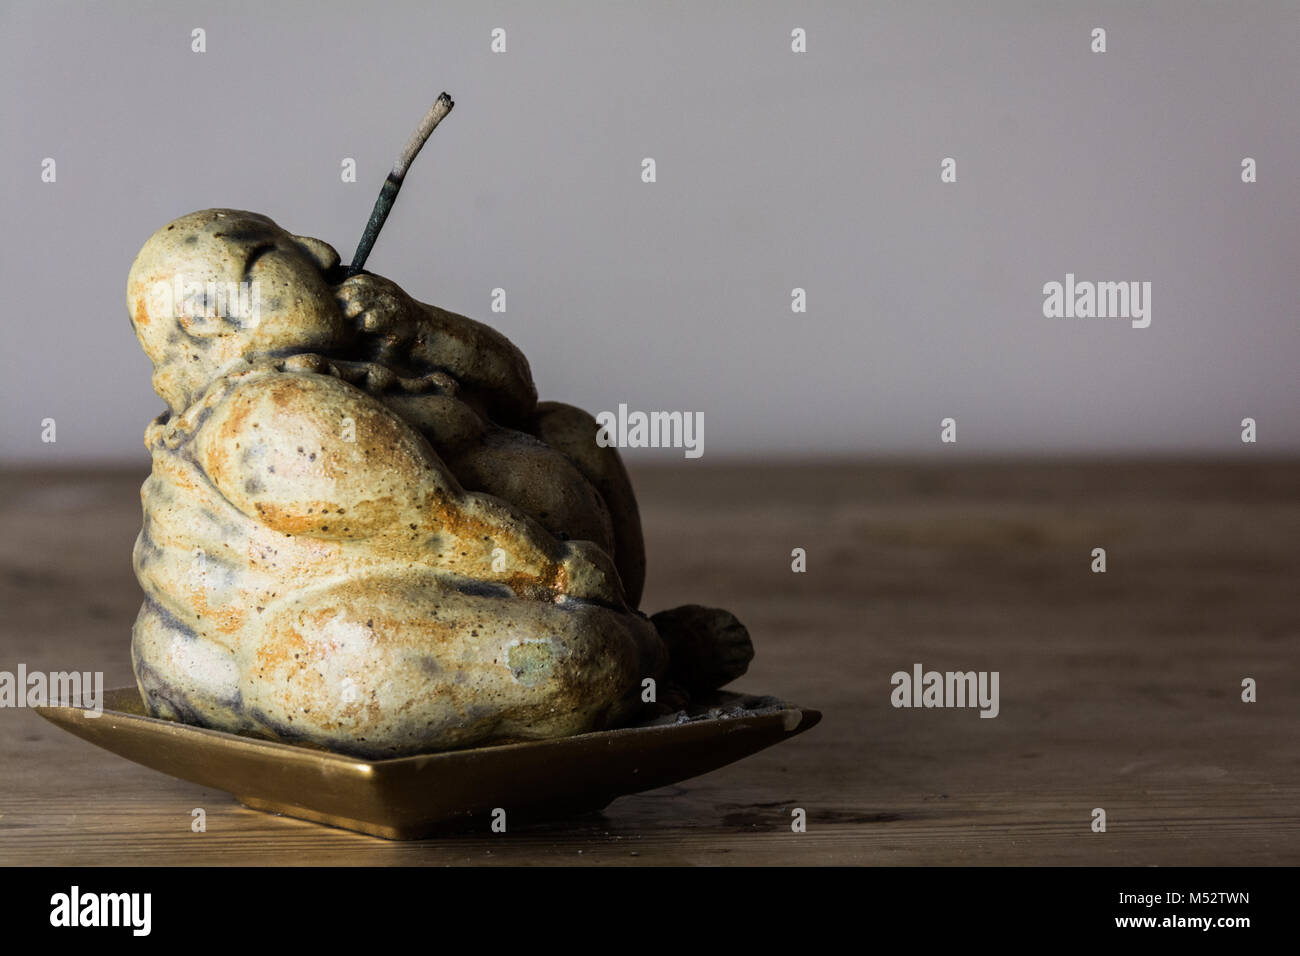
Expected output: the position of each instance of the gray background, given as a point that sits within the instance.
(775, 170)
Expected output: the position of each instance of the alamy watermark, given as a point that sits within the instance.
(75, 908)
(948, 689)
(208, 301)
(56, 688)
(1100, 300)
(626, 429)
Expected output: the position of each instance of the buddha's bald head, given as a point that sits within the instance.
(222, 284)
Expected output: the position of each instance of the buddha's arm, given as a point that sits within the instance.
(309, 454)
(398, 331)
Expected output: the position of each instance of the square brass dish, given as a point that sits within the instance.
(408, 798)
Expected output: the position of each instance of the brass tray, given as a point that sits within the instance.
(408, 798)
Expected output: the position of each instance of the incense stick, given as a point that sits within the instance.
(388, 194)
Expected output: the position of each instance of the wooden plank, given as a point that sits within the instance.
(1119, 690)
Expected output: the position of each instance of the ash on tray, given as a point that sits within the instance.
(723, 707)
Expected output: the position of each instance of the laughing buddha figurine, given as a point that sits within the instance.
(363, 532)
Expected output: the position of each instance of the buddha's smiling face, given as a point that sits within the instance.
(222, 284)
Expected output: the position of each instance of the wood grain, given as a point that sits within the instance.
(1118, 690)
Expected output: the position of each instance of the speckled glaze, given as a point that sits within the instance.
(363, 532)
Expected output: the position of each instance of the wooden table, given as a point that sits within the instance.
(1119, 690)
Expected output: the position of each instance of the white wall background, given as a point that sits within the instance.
(775, 170)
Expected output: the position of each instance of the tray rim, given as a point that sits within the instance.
(794, 720)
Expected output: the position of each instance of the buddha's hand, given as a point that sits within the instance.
(399, 332)
(380, 309)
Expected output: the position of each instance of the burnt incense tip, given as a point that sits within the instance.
(440, 108)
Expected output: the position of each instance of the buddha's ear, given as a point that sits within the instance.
(322, 253)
